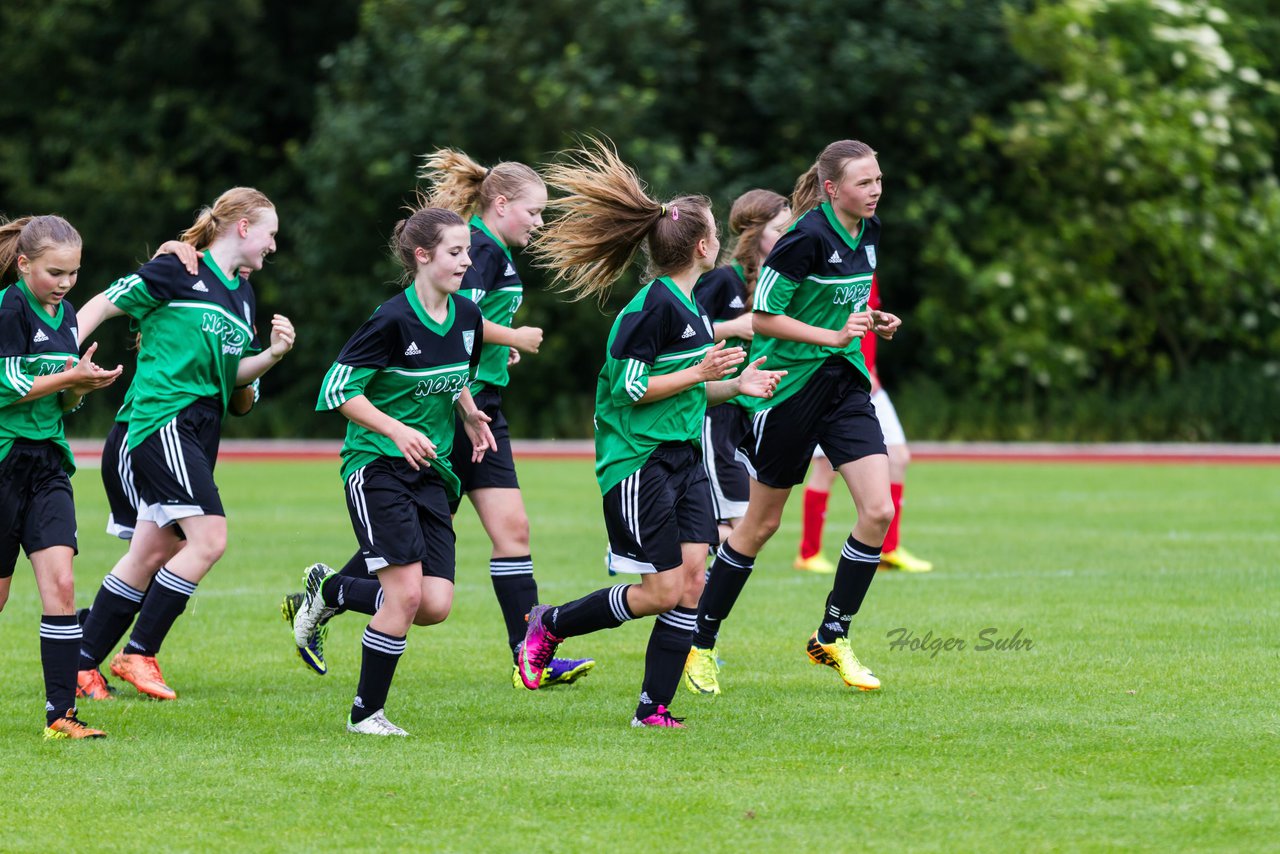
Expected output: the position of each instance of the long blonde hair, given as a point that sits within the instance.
(33, 236)
(232, 206)
(459, 184)
(606, 216)
(751, 212)
(829, 166)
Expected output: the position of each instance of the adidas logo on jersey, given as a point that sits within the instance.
(39, 337)
(835, 258)
(736, 303)
(511, 270)
(200, 286)
(412, 349)
(688, 331)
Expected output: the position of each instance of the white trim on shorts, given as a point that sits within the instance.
(164, 515)
(888, 418)
(619, 564)
(723, 507)
(115, 529)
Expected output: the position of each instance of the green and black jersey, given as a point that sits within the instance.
(196, 328)
(819, 274)
(411, 368)
(33, 344)
(722, 294)
(660, 331)
(493, 284)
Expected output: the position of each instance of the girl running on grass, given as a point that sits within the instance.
(398, 381)
(757, 218)
(661, 370)
(817, 489)
(810, 310)
(43, 378)
(200, 344)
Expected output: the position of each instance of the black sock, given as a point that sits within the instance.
(112, 613)
(347, 593)
(664, 659)
(168, 599)
(381, 654)
(605, 609)
(854, 571)
(725, 580)
(517, 593)
(59, 654)
(355, 567)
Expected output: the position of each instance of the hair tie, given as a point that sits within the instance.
(675, 213)
(662, 212)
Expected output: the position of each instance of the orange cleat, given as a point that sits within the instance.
(69, 726)
(143, 673)
(92, 686)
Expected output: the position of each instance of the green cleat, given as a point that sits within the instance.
(702, 671)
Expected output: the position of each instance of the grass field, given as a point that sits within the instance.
(1144, 715)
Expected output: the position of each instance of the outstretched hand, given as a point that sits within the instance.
(476, 426)
(755, 382)
(858, 324)
(417, 449)
(185, 252)
(87, 376)
(720, 362)
(885, 324)
(282, 335)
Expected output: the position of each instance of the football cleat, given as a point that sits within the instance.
(143, 673)
(561, 671)
(904, 561)
(660, 718)
(375, 724)
(69, 726)
(702, 671)
(838, 655)
(537, 651)
(91, 685)
(313, 611)
(817, 564)
(312, 654)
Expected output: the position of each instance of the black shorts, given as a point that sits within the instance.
(37, 508)
(666, 503)
(401, 516)
(173, 467)
(117, 480)
(833, 410)
(498, 468)
(723, 429)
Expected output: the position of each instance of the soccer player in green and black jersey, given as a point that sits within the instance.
(201, 343)
(810, 311)
(42, 377)
(661, 371)
(757, 218)
(398, 381)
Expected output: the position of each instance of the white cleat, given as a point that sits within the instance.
(375, 724)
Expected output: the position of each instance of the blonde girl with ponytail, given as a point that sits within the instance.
(661, 370)
(201, 343)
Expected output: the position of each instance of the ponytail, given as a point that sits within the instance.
(422, 228)
(232, 206)
(829, 166)
(32, 236)
(751, 212)
(459, 184)
(607, 216)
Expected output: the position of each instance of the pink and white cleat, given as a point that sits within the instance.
(660, 718)
(538, 649)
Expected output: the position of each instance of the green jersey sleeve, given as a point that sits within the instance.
(130, 295)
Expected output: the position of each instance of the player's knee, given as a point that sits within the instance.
(878, 514)
(61, 593)
(431, 613)
(4, 597)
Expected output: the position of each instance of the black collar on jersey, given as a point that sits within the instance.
(830, 214)
(477, 222)
(54, 320)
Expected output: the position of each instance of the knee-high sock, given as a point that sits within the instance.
(815, 516)
(664, 659)
(891, 536)
(517, 593)
(112, 613)
(59, 652)
(857, 566)
(725, 580)
(169, 596)
(604, 609)
(349, 593)
(381, 654)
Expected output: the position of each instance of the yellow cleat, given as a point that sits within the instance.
(69, 726)
(905, 561)
(817, 564)
(838, 655)
(702, 671)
